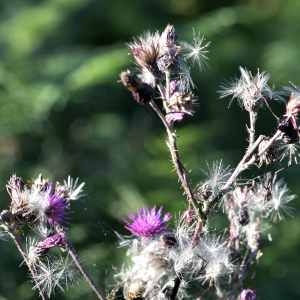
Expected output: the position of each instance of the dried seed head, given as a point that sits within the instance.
(19, 197)
(278, 205)
(145, 50)
(197, 51)
(251, 91)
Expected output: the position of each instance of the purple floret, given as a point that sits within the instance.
(248, 294)
(56, 210)
(148, 222)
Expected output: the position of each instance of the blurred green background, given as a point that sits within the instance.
(63, 112)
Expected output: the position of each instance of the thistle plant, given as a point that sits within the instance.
(165, 261)
(169, 257)
(37, 222)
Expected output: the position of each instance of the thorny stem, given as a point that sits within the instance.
(83, 272)
(179, 167)
(18, 245)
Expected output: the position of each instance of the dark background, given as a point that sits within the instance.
(63, 112)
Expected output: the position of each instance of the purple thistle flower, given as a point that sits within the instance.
(54, 240)
(148, 222)
(247, 294)
(56, 208)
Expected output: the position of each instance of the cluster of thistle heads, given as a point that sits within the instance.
(38, 213)
(163, 71)
(164, 261)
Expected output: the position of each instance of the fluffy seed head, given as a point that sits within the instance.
(278, 206)
(197, 51)
(249, 90)
(145, 50)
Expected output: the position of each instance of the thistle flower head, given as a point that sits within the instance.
(145, 50)
(249, 90)
(247, 294)
(180, 103)
(41, 201)
(148, 222)
(48, 205)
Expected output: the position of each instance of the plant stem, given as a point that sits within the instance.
(179, 167)
(18, 245)
(247, 160)
(251, 129)
(83, 272)
(241, 165)
(277, 134)
(175, 290)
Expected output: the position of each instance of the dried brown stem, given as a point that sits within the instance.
(179, 167)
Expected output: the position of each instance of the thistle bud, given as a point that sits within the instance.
(55, 240)
(168, 49)
(141, 92)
